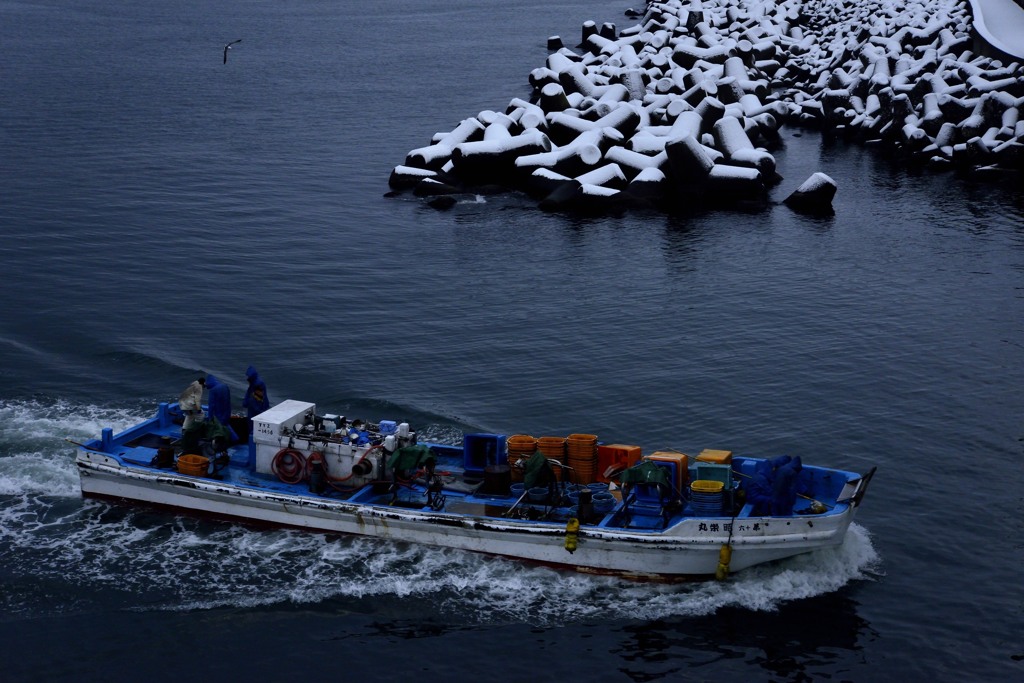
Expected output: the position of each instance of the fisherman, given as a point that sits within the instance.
(759, 490)
(784, 488)
(256, 399)
(219, 404)
(191, 403)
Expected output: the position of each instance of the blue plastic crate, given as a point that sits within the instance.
(482, 450)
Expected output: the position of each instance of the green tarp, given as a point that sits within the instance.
(537, 471)
(203, 430)
(411, 458)
(645, 473)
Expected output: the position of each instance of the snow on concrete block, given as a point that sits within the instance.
(909, 78)
(543, 181)
(488, 161)
(734, 183)
(576, 197)
(406, 177)
(552, 98)
(429, 187)
(688, 161)
(814, 195)
(730, 136)
(648, 186)
(763, 161)
(580, 155)
(609, 176)
(435, 156)
(632, 163)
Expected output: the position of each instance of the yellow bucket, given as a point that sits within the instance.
(706, 486)
(193, 465)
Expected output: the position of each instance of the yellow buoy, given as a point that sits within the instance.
(572, 530)
(724, 557)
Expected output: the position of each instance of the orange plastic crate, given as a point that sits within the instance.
(681, 462)
(615, 454)
(716, 457)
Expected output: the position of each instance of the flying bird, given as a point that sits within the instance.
(228, 47)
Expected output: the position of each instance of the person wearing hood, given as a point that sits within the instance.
(219, 403)
(256, 398)
(759, 490)
(784, 489)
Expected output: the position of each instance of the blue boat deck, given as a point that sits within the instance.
(465, 493)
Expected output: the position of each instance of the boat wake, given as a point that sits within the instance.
(152, 560)
(35, 458)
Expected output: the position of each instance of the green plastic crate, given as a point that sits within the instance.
(712, 472)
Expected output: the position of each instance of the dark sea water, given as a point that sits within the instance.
(162, 213)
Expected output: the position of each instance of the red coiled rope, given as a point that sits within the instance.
(292, 467)
(289, 465)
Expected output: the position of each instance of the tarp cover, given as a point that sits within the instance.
(645, 473)
(537, 471)
(207, 430)
(411, 458)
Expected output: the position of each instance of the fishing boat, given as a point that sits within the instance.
(570, 502)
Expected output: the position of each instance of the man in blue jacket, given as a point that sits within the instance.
(785, 487)
(218, 406)
(765, 492)
(256, 399)
(759, 490)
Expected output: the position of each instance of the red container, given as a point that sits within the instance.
(615, 454)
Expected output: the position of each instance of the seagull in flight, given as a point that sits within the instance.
(228, 47)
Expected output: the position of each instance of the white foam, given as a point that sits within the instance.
(37, 473)
(186, 564)
(35, 456)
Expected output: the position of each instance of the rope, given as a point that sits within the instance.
(292, 467)
(289, 465)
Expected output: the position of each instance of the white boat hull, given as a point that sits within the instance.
(688, 549)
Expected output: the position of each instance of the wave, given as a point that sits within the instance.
(35, 455)
(183, 564)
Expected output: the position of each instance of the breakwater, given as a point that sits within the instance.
(683, 107)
